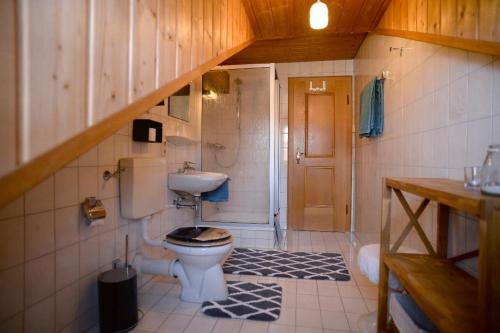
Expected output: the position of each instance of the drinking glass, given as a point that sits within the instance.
(472, 177)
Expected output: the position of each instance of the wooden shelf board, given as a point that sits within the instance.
(179, 140)
(448, 295)
(446, 191)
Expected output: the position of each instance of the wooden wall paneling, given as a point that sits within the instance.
(216, 22)
(230, 18)
(144, 47)
(56, 66)
(396, 14)
(245, 23)
(242, 23)
(8, 88)
(223, 24)
(451, 23)
(386, 21)
(489, 20)
(253, 22)
(433, 17)
(108, 88)
(208, 42)
(492, 48)
(196, 32)
(412, 15)
(467, 16)
(242, 31)
(422, 15)
(36, 170)
(449, 17)
(183, 53)
(236, 21)
(168, 40)
(404, 14)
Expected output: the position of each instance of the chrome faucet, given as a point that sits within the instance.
(188, 166)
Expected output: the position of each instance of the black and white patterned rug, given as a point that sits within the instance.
(255, 301)
(279, 263)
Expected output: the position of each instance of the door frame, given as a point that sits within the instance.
(291, 153)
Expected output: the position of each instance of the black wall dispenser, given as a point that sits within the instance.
(146, 130)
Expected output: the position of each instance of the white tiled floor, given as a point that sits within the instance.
(308, 306)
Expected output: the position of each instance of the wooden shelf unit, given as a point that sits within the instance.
(452, 299)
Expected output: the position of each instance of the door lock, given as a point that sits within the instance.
(297, 156)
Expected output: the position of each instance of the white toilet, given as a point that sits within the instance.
(199, 251)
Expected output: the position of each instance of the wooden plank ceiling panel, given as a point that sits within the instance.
(307, 48)
(284, 35)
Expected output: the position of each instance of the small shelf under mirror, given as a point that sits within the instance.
(179, 140)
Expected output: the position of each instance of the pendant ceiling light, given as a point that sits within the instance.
(318, 15)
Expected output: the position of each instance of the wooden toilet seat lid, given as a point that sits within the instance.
(219, 242)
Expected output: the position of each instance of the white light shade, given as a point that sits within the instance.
(318, 15)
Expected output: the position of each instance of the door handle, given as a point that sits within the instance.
(297, 156)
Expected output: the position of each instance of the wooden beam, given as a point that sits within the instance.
(481, 46)
(464, 256)
(35, 171)
(443, 221)
(408, 227)
(414, 221)
(385, 243)
(489, 266)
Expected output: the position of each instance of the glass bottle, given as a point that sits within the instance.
(490, 174)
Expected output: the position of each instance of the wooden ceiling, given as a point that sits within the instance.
(283, 33)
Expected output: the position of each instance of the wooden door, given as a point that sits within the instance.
(319, 153)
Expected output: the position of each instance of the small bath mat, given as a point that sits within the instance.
(255, 301)
(279, 263)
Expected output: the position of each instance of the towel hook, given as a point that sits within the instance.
(318, 89)
(400, 49)
(386, 75)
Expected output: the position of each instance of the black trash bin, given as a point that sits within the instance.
(118, 310)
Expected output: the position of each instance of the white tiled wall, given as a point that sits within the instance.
(297, 69)
(49, 259)
(442, 110)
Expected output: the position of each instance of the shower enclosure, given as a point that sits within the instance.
(238, 126)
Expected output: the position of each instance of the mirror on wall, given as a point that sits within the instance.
(178, 104)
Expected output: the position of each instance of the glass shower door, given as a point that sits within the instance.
(236, 141)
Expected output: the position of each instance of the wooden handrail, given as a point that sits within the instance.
(35, 171)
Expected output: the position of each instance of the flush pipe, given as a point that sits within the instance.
(159, 266)
(144, 232)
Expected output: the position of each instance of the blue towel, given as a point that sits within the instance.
(220, 194)
(415, 313)
(371, 118)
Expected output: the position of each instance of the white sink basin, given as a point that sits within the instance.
(195, 182)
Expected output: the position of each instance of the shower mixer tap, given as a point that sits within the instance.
(188, 166)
